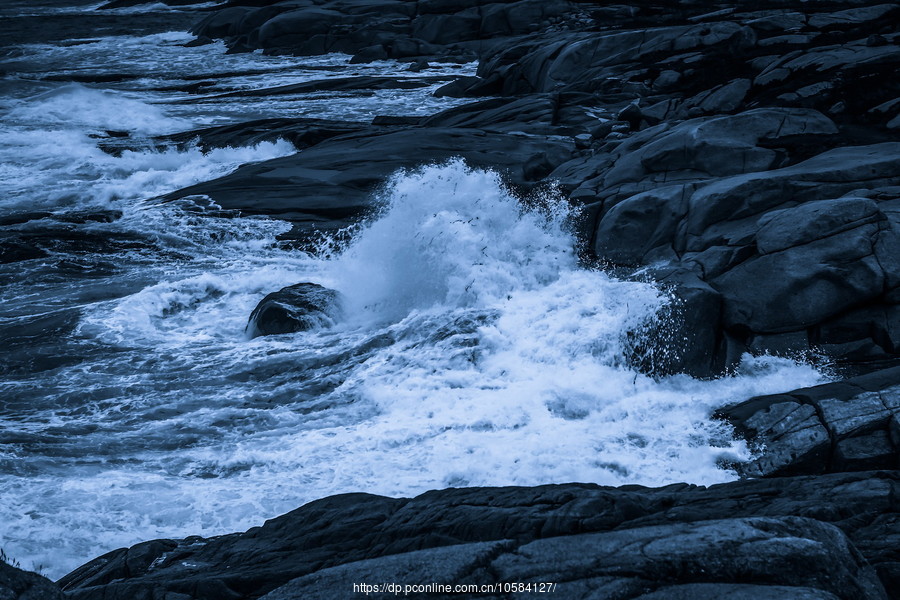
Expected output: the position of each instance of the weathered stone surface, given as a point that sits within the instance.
(831, 254)
(447, 565)
(574, 534)
(722, 99)
(842, 426)
(795, 439)
(736, 591)
(642, 223)
(814, 282)
(852, 16)
(705, 551)
(825, 176)
(401, 29)
(782, 229)
(16, 584)
(716, 146)
(580, 60)
(711, 553)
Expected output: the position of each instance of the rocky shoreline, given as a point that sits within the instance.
(747, 159)
(709, 149)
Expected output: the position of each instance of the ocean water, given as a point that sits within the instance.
(474, 348)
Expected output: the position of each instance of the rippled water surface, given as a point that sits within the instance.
(474, 350)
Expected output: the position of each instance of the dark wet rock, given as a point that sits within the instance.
(32, 343)
(826, 176)
(302, 133)
(130, 3)
(686, 338)
(333, 84)
(867, 333)
(845, 426)
(812, 221)
(380, 29)
(51, 236)
(628, 563)
(736, 591)
(537, 114)
(716, 146)
(298, 307)
(583, 61)
(13, 250)
(815, 281)
(853, 16)
(813, 536)
(16, 584)
(330, 184)
(819, 224)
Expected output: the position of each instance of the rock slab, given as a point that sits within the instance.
(833, 535)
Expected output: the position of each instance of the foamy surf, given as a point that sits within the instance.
(52, 160)
(478, 352)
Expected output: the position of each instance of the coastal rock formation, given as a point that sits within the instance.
(16, 584)
(705, 558)
(744, 157)
(379, 30)
(708, 148)
(831, 536)
(852, 425)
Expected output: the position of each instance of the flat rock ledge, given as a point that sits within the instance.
(828, 536)
(852, 425)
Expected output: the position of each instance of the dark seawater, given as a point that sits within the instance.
(474, 351)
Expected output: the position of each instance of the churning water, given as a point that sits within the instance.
(474, 349)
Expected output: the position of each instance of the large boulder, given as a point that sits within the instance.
(803, 285)
(582, 61)
(826, 176)
(714, 146)
(298, 307)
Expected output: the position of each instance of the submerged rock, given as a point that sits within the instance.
(298, 307)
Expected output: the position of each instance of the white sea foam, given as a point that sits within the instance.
(50, 159)
(478, 352)
(161, 7)
(76, 106)
(450, 237)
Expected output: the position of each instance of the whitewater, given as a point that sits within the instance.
(474, 347)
